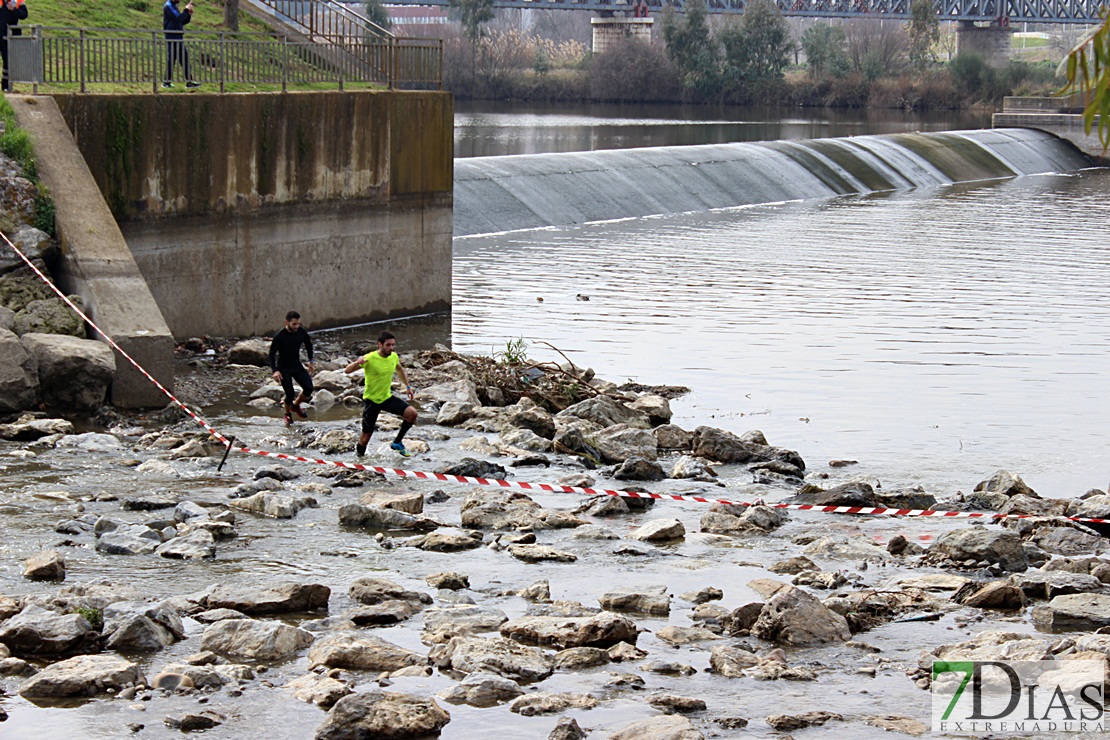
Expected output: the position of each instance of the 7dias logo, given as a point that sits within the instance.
(975, 697)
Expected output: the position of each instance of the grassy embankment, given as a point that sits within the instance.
(16, 143)
(146, 15)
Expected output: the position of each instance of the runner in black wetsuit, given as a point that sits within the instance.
(285, 361)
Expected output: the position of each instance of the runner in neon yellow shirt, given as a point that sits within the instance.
(379, 367)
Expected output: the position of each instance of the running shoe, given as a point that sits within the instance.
(167, 84)
(399, 448)
(299, 411)
(288, 420)
(192, 84)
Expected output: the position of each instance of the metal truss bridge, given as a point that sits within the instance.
(1003, 12)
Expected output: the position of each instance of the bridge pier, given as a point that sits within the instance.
(992, 42)
(609, 31)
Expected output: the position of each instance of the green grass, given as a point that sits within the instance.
(208, 15)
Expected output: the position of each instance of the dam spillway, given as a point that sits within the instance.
(512, 193)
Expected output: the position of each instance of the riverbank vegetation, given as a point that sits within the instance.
(758, 57)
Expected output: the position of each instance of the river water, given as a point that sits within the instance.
(934, 336)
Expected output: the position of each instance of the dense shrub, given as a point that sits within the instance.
(633, 71)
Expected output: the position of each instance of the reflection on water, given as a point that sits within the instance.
(490, 129)
(934, 336)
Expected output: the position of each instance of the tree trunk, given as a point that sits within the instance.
(231, 14)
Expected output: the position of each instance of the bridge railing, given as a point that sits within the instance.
(63, 57)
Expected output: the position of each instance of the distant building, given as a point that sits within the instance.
(416, 15)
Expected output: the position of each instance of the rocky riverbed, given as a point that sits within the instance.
(147, 592)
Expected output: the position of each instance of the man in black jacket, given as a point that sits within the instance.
(285, 361)
(173, 23)
(11, 13)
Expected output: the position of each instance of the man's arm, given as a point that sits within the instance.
(404, 378)
(273, 357)
(21, 12)
(308, 350)
(351, 367)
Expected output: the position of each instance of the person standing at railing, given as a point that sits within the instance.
(12, 12)
(173, 23)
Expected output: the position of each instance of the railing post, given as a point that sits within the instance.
(440, 64)
(154, 62)
(81, 60)
(392, 62)
(284, 63)
(37, 33)
(223, 60)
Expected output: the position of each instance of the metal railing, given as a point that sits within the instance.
(58, 56)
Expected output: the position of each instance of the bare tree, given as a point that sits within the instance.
(876, 47)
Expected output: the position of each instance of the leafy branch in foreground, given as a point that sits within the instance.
(1087, 67)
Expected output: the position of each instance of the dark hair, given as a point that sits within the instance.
(292, 315)
(384, 336)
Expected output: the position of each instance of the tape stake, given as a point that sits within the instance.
(227, 451)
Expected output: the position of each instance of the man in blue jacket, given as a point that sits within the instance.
(173, 23)
(11, 13)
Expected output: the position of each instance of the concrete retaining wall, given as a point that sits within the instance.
(240, 207)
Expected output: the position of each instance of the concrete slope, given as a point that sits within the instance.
(96, 261)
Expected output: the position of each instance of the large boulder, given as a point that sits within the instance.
(250, 352)
(51, 316)
(736, 519)
(482, 690)
(19, 375)
(600, 630)
(1007, 484)
(795, 617)
(16, 291)
(82, 676)
(494, 655)
(18, 202)
(666, 727)
(717, 444)
(620, 442)
(605, 412)
(73, 373)
(526, 414)
(1073, 612)
(274, 505)
(462, 391)
(379, 714)
(132, 625)
(377, 517)
(38, 631)
(980, 543)
(486, 509)
(35, 244)
(852, 493)
(252, 639)
(361, 652)
(28, 428)
(281, 599)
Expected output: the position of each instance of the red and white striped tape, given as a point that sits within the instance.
(522, 485)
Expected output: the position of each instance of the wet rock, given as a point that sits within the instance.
(667, 727)
(1068, 540)
(660, 530)
(140, 626)
(28, 428)
(323, 691)
(539, 553)
(573, 659)
(19, 383)
(1073, 612)
(794, 617)
(1006, 484)
(994, 595)
(687, 467)
(653, 601)
(48, 565)
(980, 543)
(197, 545)
(252, 639)
(657, 408)
(361, 652)
(468, 467)
(193, 721)
(670, 703)
(1041, 584)
(793, 566)
(731, 662)
(562, 609)
(493, 655)
(453, 413)
(717, 444)
(701, 596)
(523, 439)
(788, 722)
(383, 614)
(676, 635)
(442, 624)
(73, 373)
(567, 729)
(448, 580)
(932, 582)
(852, 493)
(38, 631)
(732, 519)
(601, 630)
(482, 689)
(672, 437)
(50, 316)
(279, 599)
(637, 468)
(82, 676)
(604, 506)
(906, 498)
(538, 591)
(250, 352)
(510, 510)
(1022, 504)
(274, 505)
(358, 515)
(374, 714)
(445, 542)
(827, 580)
(993, 645)
(528, 416)
(181, 676)
(543, 702)
(604, 412)
(897, 723)
(410, 502)
(837, 547)
(461, 390)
